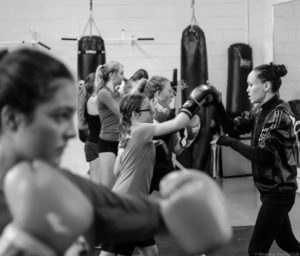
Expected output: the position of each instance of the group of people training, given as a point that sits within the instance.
(46, 210)
(131, 146)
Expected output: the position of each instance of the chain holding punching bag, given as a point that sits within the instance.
(91, 49)
(239, 66)
(91, 54)
(194, 72)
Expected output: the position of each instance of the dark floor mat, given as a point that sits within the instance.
(238, 246)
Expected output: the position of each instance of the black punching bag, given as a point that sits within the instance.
(91, 54)
(193, 59)
(194, 72)
(239, 66)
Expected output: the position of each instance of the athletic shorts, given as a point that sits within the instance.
(125, 248)
(91, 151)
(108, 146)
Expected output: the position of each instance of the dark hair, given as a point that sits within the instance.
(271, 73)
(26, 77)
(3, 52)
(139, 74)
(129, 103)
(129, 85)
(89, 83)
(154, 84)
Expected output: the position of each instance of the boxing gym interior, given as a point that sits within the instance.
(190, 43)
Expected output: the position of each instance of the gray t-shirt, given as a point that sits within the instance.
(137, 162)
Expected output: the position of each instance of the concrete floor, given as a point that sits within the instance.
(243, 202)
(241, 194)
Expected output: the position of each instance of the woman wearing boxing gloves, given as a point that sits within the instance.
(161, 94)
(138, 157)
(43, 208)
(272, 153)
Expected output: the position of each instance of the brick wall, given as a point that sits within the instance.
(223, 22)
(286, 36)
(287, 45)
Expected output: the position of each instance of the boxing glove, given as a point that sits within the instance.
(194, 211)
(161, 112)
(215, 96)
(14, 241)
(191, 131)
(46, 205)
(200, 94)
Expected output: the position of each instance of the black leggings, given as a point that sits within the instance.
(273, 223)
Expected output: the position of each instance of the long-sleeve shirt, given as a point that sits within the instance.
(113, 214)
(273, 144)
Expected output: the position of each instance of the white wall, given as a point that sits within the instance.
(261, 39)
(287, 45)
(223, 22)
(260, 31)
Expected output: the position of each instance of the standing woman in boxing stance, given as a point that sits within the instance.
(161, 94)
(91, 147)
(273, 157)
(138, 157)
(108, 78)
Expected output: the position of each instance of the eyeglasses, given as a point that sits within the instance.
(145, 110)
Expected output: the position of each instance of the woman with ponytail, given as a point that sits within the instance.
(273, 156)
(107, 81)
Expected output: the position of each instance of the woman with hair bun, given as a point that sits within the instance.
(273, 156)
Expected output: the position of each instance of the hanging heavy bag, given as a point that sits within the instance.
(193, 59)
(91, 54)
(194, 72)
(239, 66)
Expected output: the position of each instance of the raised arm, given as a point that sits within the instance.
(70, 205)
(199, 96)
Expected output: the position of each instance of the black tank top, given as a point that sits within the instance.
(94, 125)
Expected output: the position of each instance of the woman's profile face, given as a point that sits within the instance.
(118, 76)
(166, 94)
(256, 90)
(146, 112)
(46, 134)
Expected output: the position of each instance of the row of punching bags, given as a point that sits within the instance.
(194, 71)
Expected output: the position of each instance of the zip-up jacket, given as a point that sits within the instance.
(273, 144)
